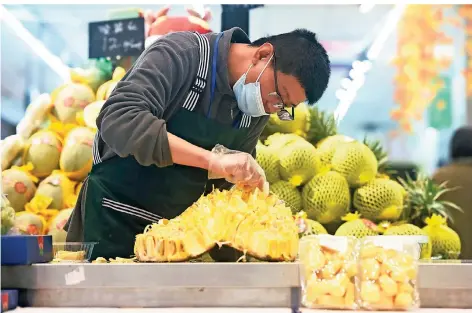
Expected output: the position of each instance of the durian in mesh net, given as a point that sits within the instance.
(326, 198)
(381, 199)
(356, 162)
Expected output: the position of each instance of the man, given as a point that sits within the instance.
(458, 175)
(167, 127)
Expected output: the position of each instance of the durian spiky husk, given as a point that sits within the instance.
(71, 99)
(43, 150)
(76, 157)
(253, 223)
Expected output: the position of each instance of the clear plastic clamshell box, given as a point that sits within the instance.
(329, 269)
(388, 271)
(73, 252)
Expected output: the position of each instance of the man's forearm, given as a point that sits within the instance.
(185, 153)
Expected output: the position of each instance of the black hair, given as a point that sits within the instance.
(301, 55)
(461, 143)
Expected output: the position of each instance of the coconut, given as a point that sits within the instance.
(58, 188)
(71, 99)
(18, 185)
(76, 157)
(43, 150)
(29, 223)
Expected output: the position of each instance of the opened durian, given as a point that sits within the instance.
(255, 223)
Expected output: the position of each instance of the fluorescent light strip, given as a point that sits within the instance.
(373, 52)
(389, 27)
(366, 7)
(37, 46)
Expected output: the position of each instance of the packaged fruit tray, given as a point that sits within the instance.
(440, 285)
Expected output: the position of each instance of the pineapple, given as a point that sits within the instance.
(422, 200)
(251, 222)
(321, 126)
(381, 156)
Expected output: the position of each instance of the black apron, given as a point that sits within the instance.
(121, 197)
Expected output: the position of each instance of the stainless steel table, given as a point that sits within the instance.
(274, 285)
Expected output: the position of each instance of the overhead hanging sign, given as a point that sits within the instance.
(440, 110)
(116, 38)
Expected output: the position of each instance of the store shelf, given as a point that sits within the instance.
(442, 285)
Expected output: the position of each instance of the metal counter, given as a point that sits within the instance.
(442, 285)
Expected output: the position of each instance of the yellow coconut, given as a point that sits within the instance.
(30, 224)
(76, 157)
(43, 150)
(19, 186)
(70, 100)
(56, 225)
(91, 112)
(58, 188)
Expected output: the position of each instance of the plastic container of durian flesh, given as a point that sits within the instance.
(388, 272)
(73, 252)
(329, 265)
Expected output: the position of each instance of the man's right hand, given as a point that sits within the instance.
(238, 168)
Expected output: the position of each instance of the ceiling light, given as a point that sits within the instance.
(365, 8)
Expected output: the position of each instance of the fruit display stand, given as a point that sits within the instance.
(236, 285)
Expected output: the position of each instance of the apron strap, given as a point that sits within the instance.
(202, 72)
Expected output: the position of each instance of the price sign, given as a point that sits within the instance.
(116, 38)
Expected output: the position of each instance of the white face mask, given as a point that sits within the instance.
(249, 95)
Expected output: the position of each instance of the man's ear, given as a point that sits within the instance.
(263, 52)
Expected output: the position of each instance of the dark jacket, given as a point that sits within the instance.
(458, 174)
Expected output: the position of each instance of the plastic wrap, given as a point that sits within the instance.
(329, 272)
(11, 147)
(388, 273)
(35, 114)
(236, 167)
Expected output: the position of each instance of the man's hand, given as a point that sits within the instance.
(236, 167)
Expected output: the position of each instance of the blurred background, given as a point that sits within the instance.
(411, 105)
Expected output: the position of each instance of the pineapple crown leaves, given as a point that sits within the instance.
(380, 154)
(423, 198)
(320, 125)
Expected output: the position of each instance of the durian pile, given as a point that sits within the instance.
(344, 184)
(45, 162)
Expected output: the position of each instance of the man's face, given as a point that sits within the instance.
(277, 88)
